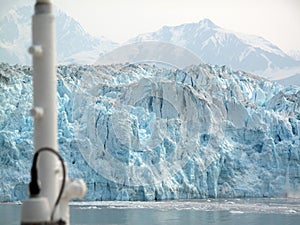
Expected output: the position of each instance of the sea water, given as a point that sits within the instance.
(209, 211)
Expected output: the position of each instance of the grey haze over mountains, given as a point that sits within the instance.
(211, 43)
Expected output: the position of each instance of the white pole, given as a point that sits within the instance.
(44, 98)
(39, 208)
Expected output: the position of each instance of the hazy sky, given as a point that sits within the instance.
(276, 20)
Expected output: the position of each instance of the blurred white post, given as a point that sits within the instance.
(44, 109)
(38, 209)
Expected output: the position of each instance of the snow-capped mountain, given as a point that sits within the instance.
(205, 40)
(215, 45)
(140, 132)
(74, 44)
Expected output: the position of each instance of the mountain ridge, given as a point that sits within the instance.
(208, 41)
(215, 45)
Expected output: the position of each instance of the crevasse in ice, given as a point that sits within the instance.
(139, 132)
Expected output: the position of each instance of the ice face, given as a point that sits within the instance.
(138, 132)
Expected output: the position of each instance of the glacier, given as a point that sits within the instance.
(141, 132)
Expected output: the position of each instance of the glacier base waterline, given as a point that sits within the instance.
(139, 132)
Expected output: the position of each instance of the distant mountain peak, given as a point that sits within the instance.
(207, 22)
(215, 45)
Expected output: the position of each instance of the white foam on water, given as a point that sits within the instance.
(236, 206)
(236, 212)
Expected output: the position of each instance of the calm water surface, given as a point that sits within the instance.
(212, 212)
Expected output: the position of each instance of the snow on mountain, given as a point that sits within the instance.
(140, 132)
(72, 39)
(15, 36)
(215, 45)
(207, 41)
(74, 44)
(295, 55)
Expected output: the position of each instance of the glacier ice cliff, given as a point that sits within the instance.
(139, 132)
